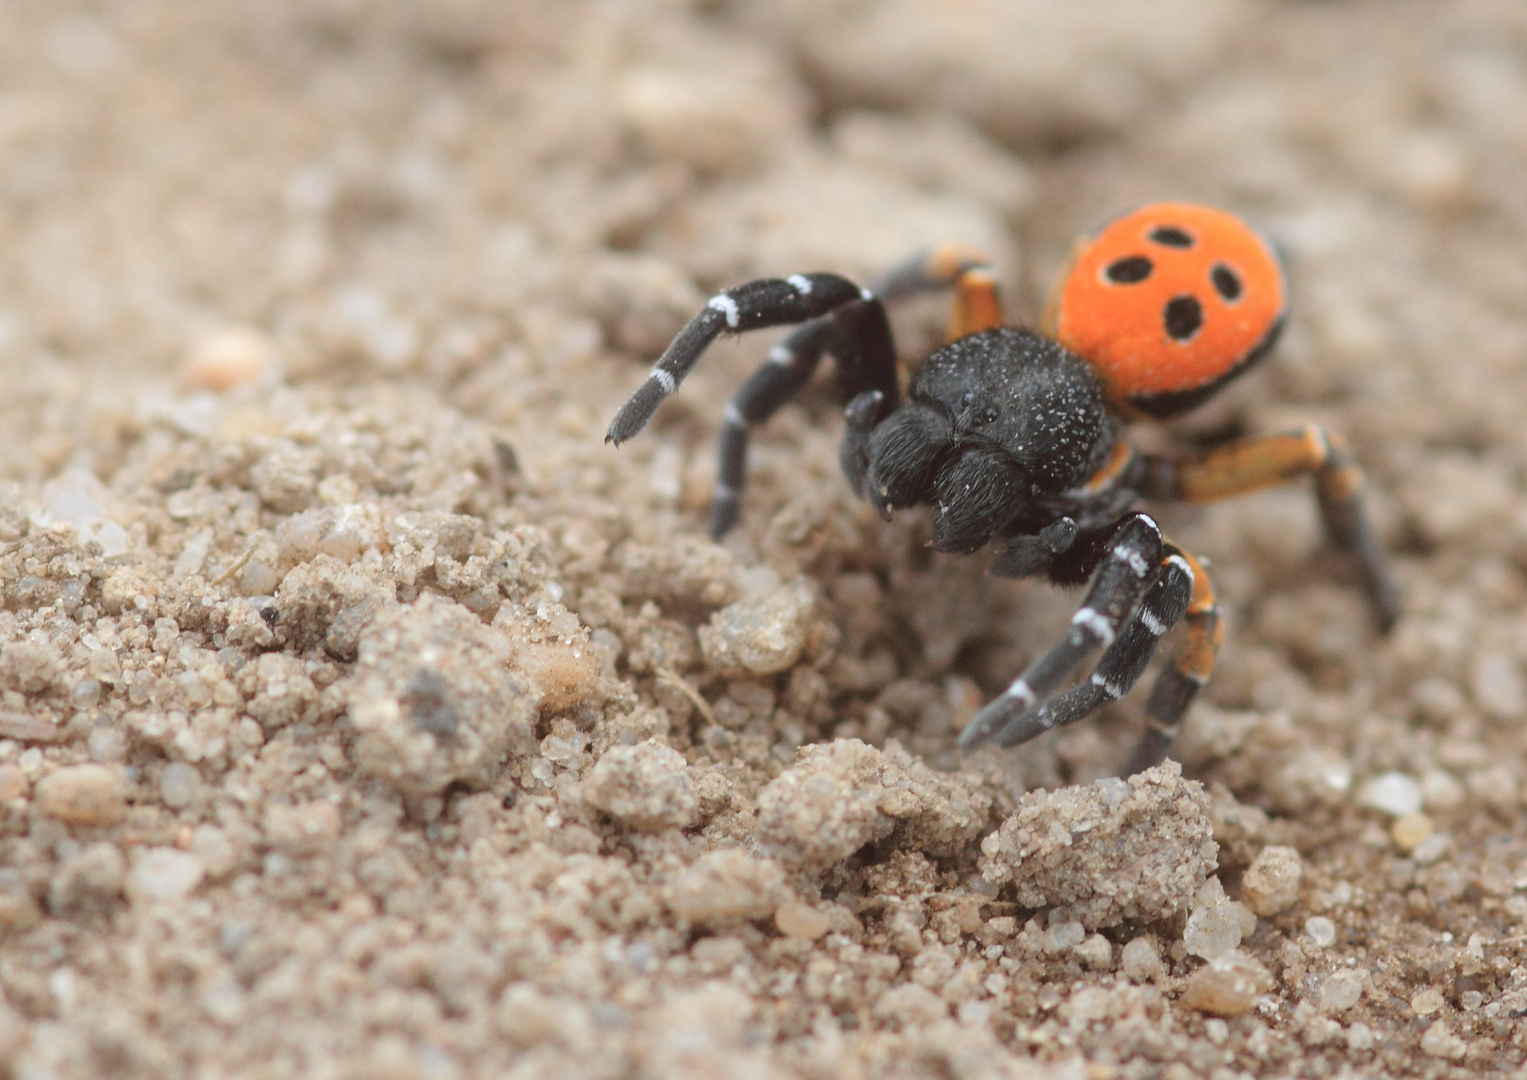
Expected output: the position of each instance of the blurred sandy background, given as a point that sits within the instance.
(364, 715)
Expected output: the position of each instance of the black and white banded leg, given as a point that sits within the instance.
(1182, 679)
(858, 336)
(789, 366)
(768, 302)
(838, 316)
(1129, 563)
(1121, 665)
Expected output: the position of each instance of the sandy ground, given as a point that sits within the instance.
(364, 715)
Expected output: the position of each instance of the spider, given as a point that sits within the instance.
(1015, 437)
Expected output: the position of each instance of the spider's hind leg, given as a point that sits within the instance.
(1257, 463)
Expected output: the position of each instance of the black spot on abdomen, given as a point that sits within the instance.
(1183, 317)
(1130, 270)
(1226, 282)
(1171, 236)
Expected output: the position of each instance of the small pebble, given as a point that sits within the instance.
(1494, 786)
(911, 1005)
(1217, 925)
(164, 874)
(1321, 930)
(85, 694)
(1409, 830)
(1393, 793)
(107, 745)
(1431, 849)
(179, 784)
(1002, 926)
(227, 357)
(83, 795)
(308, 828)
(762, 634)
(1271, 883)
(716, 122)
(1360, 1037)
(645, 786)
(257, 579)
(26, 728)
(1066, 935)
(724, 887)
(1107, 852)
(13, 783)
(1498, 687)
(1228, 985)
(1440, 790)
(1341, 991)
(1063, 936)
(1096, 953)
(1140, 960)
(210, 845)
(1440, 1042)
(1426, 1002)
(801, 921)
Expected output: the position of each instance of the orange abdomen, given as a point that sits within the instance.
(1169, 302)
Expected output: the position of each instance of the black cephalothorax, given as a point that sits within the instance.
(1000, 425)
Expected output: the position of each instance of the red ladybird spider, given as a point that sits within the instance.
(1014, 436)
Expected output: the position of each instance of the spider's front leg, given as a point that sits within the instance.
(838, 317)
(1122, 664)
(859, 419)
(1182, 679)
(768, 302)
(1131, 561)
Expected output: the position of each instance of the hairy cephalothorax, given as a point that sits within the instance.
(1015, 438)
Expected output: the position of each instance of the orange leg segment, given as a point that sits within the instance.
(976, 306)
(1179, 683)
(964, 269)
(1258, 463)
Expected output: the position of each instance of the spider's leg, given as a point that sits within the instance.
(1129, 562)
(859, 337)
(976, 305)
(1339, 487)
(967, 270)
(859, 419)
(930, 270)
(1257, 463)
(1124, 661)
(790, 364)
(768, 302)
(1028, 556)
(1179, 683)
